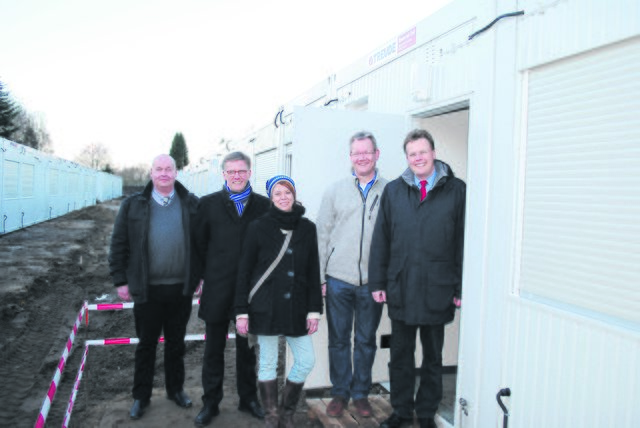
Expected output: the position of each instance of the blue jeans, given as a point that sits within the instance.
(303, 358)
(344, 303)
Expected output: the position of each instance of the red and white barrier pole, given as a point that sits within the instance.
(117, 307)
(46, 405)
(122, 305)
(76, 386)
(135, 340)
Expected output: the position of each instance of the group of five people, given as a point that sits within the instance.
(259, 262)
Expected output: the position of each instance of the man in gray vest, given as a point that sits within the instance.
(150, 261)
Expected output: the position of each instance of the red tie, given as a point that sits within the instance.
(423, 190)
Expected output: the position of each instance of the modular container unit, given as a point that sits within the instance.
(203, 178)
(536, 105)
(36, 186)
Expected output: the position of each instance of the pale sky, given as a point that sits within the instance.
(130, 74)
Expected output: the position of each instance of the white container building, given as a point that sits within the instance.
(37, 186)
(536, 105)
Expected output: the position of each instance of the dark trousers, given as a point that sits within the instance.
(169, 311)
(213, 365)
(402, 369)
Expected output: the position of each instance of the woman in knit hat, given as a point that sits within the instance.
(287, 300)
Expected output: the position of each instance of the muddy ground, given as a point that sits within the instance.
(47, 271)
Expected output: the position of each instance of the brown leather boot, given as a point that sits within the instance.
(269, 396)
(290, 398)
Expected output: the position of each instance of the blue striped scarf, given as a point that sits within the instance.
(239, 198)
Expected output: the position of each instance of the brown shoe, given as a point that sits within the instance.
(336, 407)
(363, 407)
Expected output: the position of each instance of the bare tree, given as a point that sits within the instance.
(95, 155)
(31, 131)
(134, 175)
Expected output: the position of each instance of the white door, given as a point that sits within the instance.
(321, 157)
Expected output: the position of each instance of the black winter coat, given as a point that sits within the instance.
(218, 236)
(128, 256)
(292, 290)
(417, 248)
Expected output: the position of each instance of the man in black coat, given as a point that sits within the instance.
(415, 266)
(150, 260)
(221, 223)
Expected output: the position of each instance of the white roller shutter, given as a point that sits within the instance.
(27, 179)
(265, 167)
(54, 186)
(10, 180)
(581, 212)
(288, 160)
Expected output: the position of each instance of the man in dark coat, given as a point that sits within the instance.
(221, 223)
(150, 260)
(415, 267)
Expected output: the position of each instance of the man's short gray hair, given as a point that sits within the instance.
(173, 161)
(236, 156)
(363, 135)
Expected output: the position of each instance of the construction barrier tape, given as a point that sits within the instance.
(76, 386)
(46, 405)
(135, 340)
(122, 305)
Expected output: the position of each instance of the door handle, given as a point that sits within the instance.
(504, 392)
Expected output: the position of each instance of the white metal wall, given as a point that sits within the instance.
(203, 178)
(567, 370)
(35, 186)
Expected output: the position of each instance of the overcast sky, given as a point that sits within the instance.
(130, 74)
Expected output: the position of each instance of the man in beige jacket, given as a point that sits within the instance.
(345, 224)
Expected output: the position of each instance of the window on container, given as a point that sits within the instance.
(72, 183)
(10, 179)
(360, 104)
(27, 179)
(580, 228)
(62, 183)
(265, 167)
(54, 184)
(288, 159)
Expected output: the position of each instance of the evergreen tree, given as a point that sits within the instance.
(30, 138)
(8, 112)
(179, 151)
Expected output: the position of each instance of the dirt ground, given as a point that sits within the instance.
(47, 271)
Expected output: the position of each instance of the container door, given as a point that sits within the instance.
(320, 156)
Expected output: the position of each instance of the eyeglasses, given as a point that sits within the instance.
(421, 153)
(362, 154)
(233, 172)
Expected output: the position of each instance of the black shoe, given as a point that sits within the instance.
(427, 423)
(181, 399)
(252, 407)
(396, 421)
(137, 410)
(208, 412)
